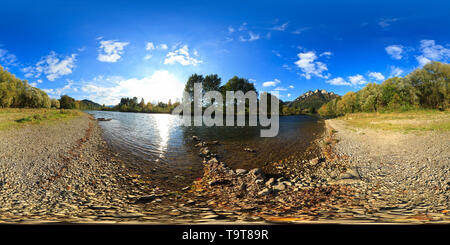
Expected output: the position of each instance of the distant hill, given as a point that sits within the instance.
(89, 105)
(311, 101)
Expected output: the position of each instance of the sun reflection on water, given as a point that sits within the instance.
(163, 123)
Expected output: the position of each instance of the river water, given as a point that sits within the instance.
(159, 146)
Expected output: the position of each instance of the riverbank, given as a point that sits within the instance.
(396, 174)
(65, 172)
(402, 169)
(60, 172)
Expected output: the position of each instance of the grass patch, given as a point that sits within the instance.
(16, 117)
(408, 121)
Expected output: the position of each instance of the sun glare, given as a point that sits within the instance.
(161, 86)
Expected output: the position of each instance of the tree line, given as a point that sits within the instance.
(424, 88)
(132, 105)
(209, 83)
(18, 93)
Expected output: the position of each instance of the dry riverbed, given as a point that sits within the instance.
(65, 172)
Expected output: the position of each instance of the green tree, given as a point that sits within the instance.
(67, 102)
(238, 84)
(211, 83)
(431, 85)
(142, 105)
(55, 103)
(347, 104)
(189, 87)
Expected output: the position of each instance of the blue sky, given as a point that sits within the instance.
(104, 50)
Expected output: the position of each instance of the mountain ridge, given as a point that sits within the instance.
(311, 101)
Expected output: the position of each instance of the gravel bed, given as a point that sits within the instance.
(66, 172)
(401, 175)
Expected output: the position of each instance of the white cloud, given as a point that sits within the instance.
(289, 95)
(310, 67)
(291, 86)
(6, 58)
(422, 60)
(149, 46)
(182, 57)
(376, 75)
(386, 22)
(357, 79)
(60, 91)
(29, 71)
(111, 50)
(287, 67)
(328, 53)
(271, 83)
(52, 65)
(338, 81)
(109, 90)
(243, 27)
(280, 89)
(395, 71)
(352, 81)
(162, 46)
(300, 30)
(231, 29)
(282, 27)
(252, 37)
(395, 51)
(430, 51)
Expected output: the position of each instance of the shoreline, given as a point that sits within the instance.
(402, 177)
(88, 182)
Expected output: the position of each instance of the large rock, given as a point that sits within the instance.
(257, 173)
(204, 151)
(264, 192)
(213, 161)
(350, 177)
(314, 161)
(351, 173)
(145, 199)
(241, 171)
(219, 182)
(279, 187)
(270, 182)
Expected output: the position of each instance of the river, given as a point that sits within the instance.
(161, 147)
